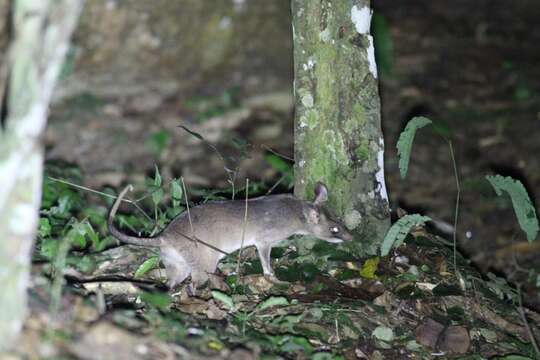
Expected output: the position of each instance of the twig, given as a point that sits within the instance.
(243, 232)
(134, 202)
(188, 212)
(232, 181)
(456, 213)
(197, 240)
(275, 185)
(267, 148)
(337, 330)
(525, 322)
(230, 172)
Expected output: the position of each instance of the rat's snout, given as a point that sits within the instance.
(347, 236)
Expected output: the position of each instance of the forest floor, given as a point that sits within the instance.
(92, 298)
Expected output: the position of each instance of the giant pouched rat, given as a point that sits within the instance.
(195, 246)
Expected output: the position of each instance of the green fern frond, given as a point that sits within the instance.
(523, 207)
(397, 233)
(406, 138)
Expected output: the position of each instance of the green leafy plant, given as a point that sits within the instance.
(223, 298)
(397, 233)
(405, 141)
(148, 265)
(522, 204)
(273, 301)
(404, 146)
(176, 199)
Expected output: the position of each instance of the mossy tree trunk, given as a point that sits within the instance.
(338, 138)
(39, 38)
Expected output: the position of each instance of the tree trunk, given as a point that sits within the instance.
(338, 137)
(39, 38)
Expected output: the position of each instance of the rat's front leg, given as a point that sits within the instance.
(264, 256)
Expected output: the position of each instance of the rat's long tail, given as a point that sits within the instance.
(142, 241)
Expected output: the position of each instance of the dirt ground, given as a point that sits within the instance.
(472, 67)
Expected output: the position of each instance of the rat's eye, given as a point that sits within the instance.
(334, 230)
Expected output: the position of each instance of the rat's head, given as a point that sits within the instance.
(320, 223)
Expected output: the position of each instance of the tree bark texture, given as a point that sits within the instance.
(338, 137)
(39, 39)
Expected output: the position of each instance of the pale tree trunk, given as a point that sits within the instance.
(40, 32)
(338, 137)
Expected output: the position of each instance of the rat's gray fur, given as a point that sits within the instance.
(220, 225)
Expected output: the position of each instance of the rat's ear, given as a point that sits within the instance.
(321, 194)
(313, 216)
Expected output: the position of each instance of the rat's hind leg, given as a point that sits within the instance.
(207, 263)
(176, 267)
(198, 277)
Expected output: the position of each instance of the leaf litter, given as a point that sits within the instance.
(115, 304)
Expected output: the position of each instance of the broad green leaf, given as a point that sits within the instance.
(383, 333)
(176, 192)
(273, 301)
(406, 138)
(97, 215)
(49, 248)
(412, 345)
(77, 235)
(157, 195)
(92, 235)
(398, 231)
(158, 300)
(224, 298)
(157, 177)
(296, 344)
(44, 229)
(325, 356)
(523, 207)
(155, 188)
(369, 268)
(146, 266)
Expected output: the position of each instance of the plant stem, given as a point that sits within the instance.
(188, 213)
(243, 232)
(456, 212)
(525, 322)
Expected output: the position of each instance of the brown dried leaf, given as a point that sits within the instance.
(427, 334)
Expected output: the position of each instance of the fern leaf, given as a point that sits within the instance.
(406, 138)
(273, 301)
(523, 207)
(397, 233)
(224, 298)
